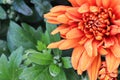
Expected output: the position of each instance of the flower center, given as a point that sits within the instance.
(98, 23)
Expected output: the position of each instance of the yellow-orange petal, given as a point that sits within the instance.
(74, 33)
(94, 68)
(76, 54)
(114, 30)
(108, 42)
(63, 19)
(74, 3)
(59, 28)
(112, 62)
(84, 8)
(59, 8)
(55, 44)
(88, 47)
(93, 9)
(95, 48)
(85, 61)
(102, 51)
(69, 43)
(99, 2)
(106, 3)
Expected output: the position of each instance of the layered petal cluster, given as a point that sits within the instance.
(105, 75)
(92, 29)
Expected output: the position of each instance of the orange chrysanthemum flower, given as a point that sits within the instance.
(105, 75)
(92, 29)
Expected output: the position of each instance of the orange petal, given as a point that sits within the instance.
(99, 2)
(108, 42)
(73, 2)
(76, 54)
(85, 61)
(72, 33)
(59, 8)
(80, 2)
(53, 21)
(117, 10)
(112, 62)
(88, 47)
(114, 29)
(64, 31)
(72, 17)
(84, 8)
(62, 19)
(117, 22)
(115, 48)
(92, 2)
(102, 51)
(83, 40)
(73, 13)
(106, 3)
(70, 43)
(58, 29)
(55, 44)
(114, 3)
(94, 68)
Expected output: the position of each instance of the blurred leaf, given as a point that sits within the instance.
(10, 70)
(66, 62)
(34, 18)
(54, 70)
(3, 14)
(3, 47)
(1, 1)
(21, 7)
(26, 36)
(72, 75)
(41, 6)
(41, 58)
(3, 29)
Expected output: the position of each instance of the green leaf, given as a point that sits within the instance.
(26, 36)
(54, 70)
(41, 6)
(40, 73)
(21, 7)
(61, 76)
(41, 46)
(36, 73)
(66, 62)
(10, 70)
(3, 14)
(72, 75)
(41, 58)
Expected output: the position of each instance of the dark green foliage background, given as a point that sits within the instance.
(24, 36)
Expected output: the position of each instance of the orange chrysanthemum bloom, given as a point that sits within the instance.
(105, 75)
(92, 29)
